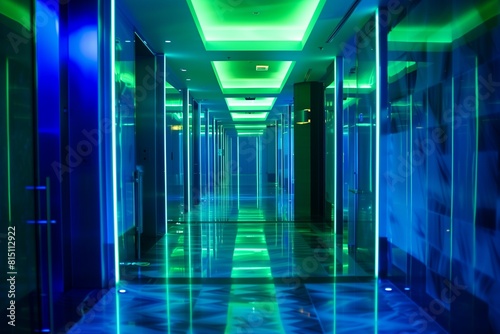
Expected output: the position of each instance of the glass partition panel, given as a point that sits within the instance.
(443, 159)
(125, 136)
(23, 233)
(174, 151)
(358, 163)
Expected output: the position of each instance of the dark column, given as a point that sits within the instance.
(309, 142)
(145, 67)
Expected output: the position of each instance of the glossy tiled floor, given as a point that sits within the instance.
(238, 266)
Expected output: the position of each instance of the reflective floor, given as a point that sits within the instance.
(235, 264)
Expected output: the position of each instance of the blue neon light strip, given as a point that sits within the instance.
(377, 142)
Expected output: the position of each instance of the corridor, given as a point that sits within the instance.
(236, 265)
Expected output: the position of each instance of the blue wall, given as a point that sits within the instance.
(443, 175)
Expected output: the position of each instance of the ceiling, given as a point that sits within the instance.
(215, 45)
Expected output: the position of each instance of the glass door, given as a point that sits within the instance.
(21, 193)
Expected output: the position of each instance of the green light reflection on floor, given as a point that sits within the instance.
(251, 307)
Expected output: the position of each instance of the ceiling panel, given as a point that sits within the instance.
(255, 25)
(243, 77)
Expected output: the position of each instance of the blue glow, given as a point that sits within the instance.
(113, 143)
(388, 289)
(122, 291)
(377, 142)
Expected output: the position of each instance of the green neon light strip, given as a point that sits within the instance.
(377, 146)
(252, 133)
(259, 104)
(250, 126)
(230, 26)
(7, 124)
(240, 77)
(256, 116)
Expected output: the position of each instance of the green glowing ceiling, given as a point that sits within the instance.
(249, 116)
(242, 104)
(19, 12)
(256, 25)
(242, 77)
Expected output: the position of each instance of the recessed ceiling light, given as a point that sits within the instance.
(183, 70)
(261, 68)
(188, 79)
(167, 41)
(127, 41)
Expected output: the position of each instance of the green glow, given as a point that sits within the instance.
(250, 126)
(259, 104)
(256, 116)
(17, 12)
(168, 87)
(241, 77)
(437, 31)
(255, 26)
(128, 79)
(351, 84)
(400, 67)
(377, 143)
(250, 133)
(7, 125)
(114, 171)
(251, 259)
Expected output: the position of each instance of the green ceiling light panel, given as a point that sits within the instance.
(171, 89)
(250, 133)
(444, 30)
(260, 25)
(20, 13)
(247, 116)
(244, 104)
(250, 126)
(352, 84)
(249, 77)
